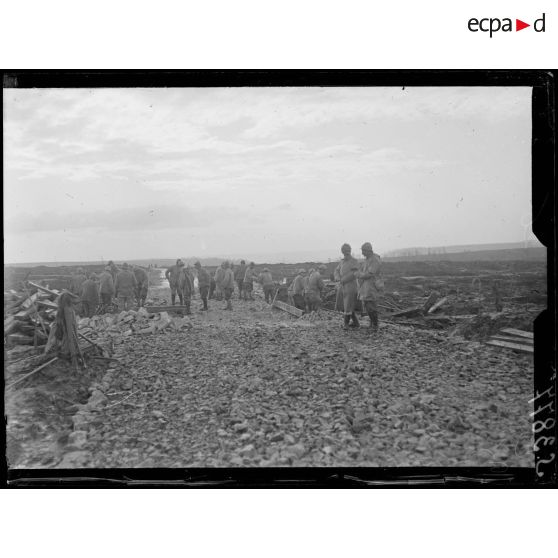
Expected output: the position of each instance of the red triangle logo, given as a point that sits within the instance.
(519, 25)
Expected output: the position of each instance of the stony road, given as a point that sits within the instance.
(255, 387)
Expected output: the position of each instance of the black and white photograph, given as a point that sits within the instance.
(269, 277)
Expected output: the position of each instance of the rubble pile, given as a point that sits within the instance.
(28, 316)
(131, 322)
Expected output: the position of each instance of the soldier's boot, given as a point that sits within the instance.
(373, 321)
(173, 299)
(346, 319)
(187, 304)
(355, 323)
(229, 305)
(181, 299)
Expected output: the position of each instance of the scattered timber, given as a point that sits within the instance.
(288, 308)
(409, 312)
(517, 332)
(44, 289)
(512, 339)
(47, 304)
(514, 346)
(96, 345)
(38, 369)
(430, 301)
(440, 303)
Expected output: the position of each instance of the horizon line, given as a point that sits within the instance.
(221, 257)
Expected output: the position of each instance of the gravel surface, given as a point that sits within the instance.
(255, 387)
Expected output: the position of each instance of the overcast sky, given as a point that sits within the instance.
(270, 173)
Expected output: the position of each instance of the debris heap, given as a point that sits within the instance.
(29, 315)
(131, 322)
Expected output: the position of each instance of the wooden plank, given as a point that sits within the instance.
(19, 339)
(155, 309)
(32, 372)
(430, 301)
(288, 308)
(44, 289)
(9, 324)
(48, 304)
(13, 305)
(415, 310)
(22, 314)
(518, 332)
(515, 346)
(28, 302)
(441, 302)
(512, 339)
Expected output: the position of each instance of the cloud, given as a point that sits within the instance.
(229, 165)
(129, 219)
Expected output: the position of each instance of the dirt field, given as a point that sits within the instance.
(256, 387)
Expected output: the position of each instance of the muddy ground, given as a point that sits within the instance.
(256, 387)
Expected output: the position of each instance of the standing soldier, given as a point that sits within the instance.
(370, 284)
(90, 295)
(113, 270)
(227, 284)
(143, 284)
(249, 278)
(219, 276)
(239, 274)
(77, 281)
(106, 288)
(173, 276)
(185, 288)
(345, 274)
(203, 283)
(296, 290)
(315, 288)
(266, 280)
(125, 287)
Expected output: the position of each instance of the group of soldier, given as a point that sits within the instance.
(358, 281)
(220, 285)
(128, 284)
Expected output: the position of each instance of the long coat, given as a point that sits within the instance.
(90, 292)
(172, 275)
(203, 278)
(228, 280)
(125, 283)
(185, 283)
(368, 278)
(345, 274)
(106, 283)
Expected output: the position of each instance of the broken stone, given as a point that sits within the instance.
(77, 440)
(74, 459)
(248, 451)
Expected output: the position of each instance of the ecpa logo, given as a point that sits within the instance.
(492, 25)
